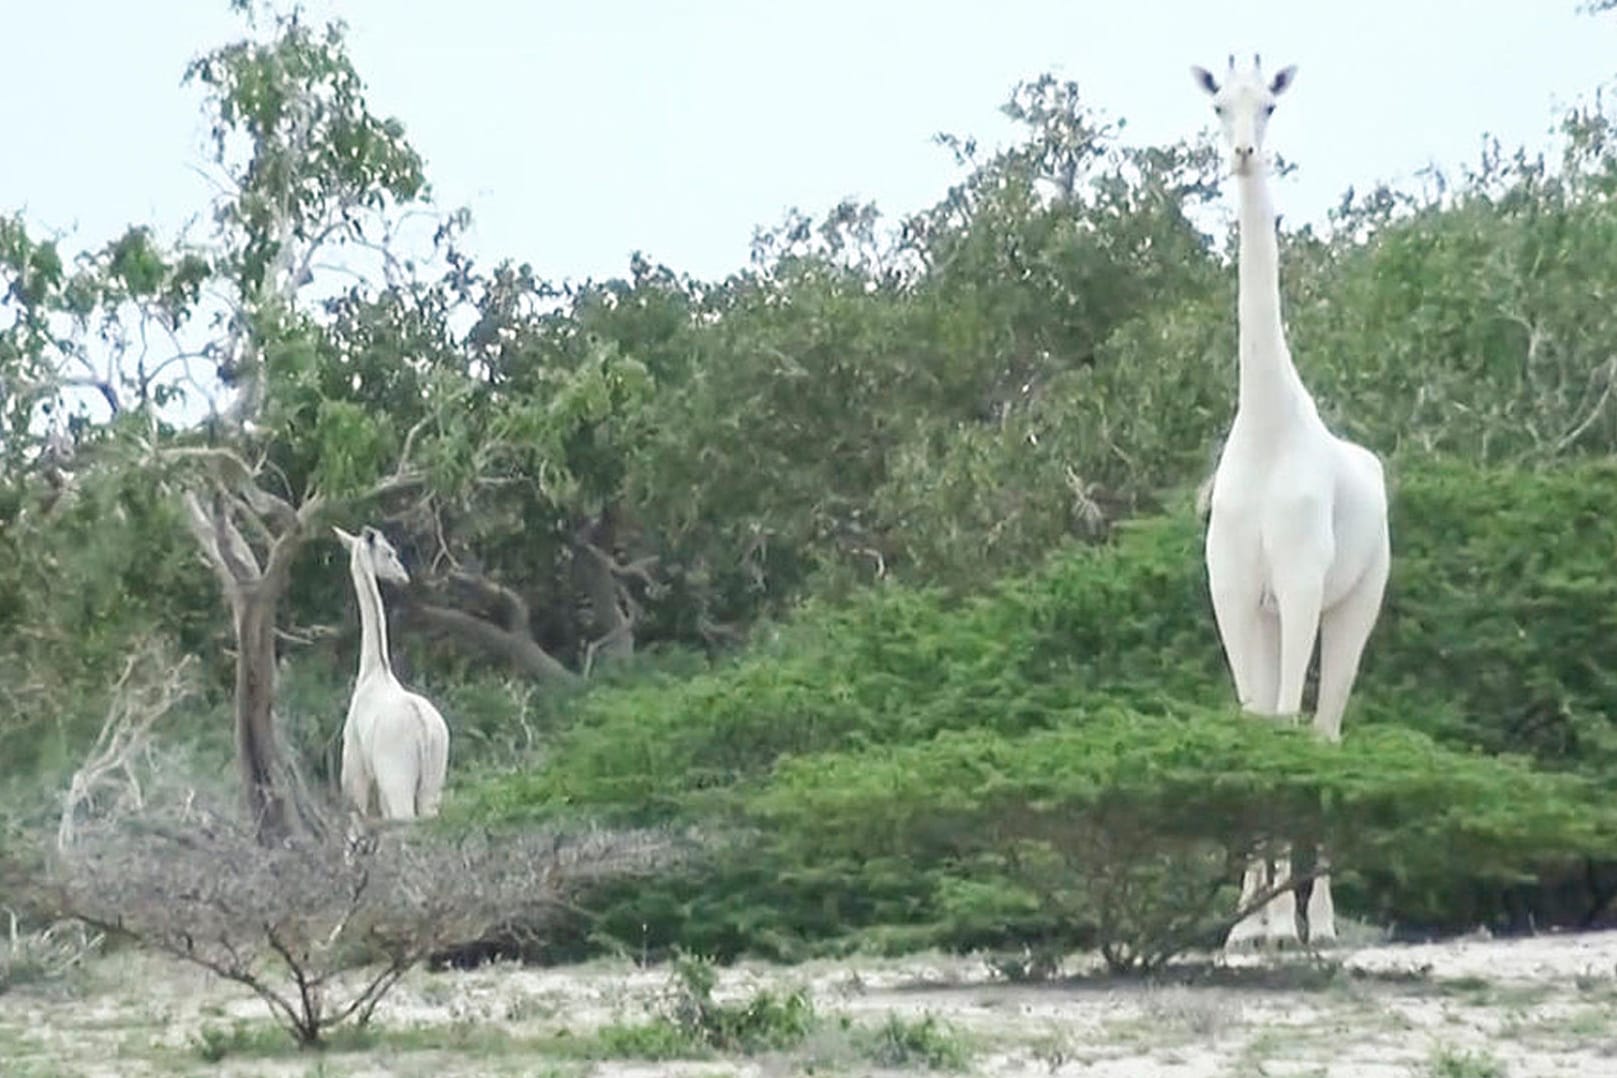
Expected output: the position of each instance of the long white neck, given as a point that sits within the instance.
(1269, 383)
(372, 620)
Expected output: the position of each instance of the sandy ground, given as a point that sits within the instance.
(1461, 1009)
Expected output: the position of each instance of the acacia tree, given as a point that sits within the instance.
(199, 365)
(304, 363)
(315, 181)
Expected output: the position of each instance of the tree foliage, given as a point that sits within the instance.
(898, 487)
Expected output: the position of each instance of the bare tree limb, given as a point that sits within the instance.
(151, 683)
(519, 649)
(493, 593)
(284, 921)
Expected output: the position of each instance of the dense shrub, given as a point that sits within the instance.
(1494, 640)
(1126, 831)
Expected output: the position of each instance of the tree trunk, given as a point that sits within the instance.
(253, 593)
(593, 564)
(256, 750)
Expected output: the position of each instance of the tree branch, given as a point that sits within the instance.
(200, 523)
(518, 649)
(493, 593)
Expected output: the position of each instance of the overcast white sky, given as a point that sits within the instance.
(578, 132)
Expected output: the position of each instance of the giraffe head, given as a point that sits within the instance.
(1244, 104)
(373, 546)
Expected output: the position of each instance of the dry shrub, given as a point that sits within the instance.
(292, 921)
(45, 954)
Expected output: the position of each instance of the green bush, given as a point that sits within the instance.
(924, 1041)
(1126, 831)
(1496, 638)
(1501, 624)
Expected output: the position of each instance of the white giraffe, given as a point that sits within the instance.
(1297, 539)
(394, 741)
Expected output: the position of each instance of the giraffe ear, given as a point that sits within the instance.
(1204, 79)
(1283, 79)
(344, 538)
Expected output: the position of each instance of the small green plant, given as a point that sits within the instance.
(923, 1042)
(694, 1025)
(657, 1040)
(764, 1022)
(214, 1043)
(1447, 1063)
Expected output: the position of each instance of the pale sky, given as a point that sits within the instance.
(579, 132)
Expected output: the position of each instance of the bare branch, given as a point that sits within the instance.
(640, 568)
(237, 554)
(201, 525)
(226, 465)
(151, 683)
(517, 648)
(286, 546)
(492, 593)
(285, 920)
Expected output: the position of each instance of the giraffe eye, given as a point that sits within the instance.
(1219, 109)
(1268, 110)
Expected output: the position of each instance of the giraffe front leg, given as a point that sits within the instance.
(1252, 929)
(1321, 909)
(1280, 914)
(1344, 631)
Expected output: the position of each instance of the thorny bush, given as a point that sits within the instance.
(321, 927)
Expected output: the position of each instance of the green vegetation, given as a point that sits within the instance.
(1003, 769)
(873, 564)
(1446, 1063)
(924, 1041)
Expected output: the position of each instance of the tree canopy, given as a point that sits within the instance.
(640, 478)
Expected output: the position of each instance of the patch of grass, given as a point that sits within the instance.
(658, 1040)
(696, 1026)
(924, 1042)
(1199, 1014)
(214, 1043)
(1590, 1023)
(1054, 1050)
(1582, 1023)
(1521, 995)
(1447, 1063)
(30, 959)
(764, 1022)
(1265, 1045)
(1464, 986)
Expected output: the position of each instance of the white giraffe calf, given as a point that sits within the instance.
(395, 742)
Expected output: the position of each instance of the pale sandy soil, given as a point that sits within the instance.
(1462, 1009)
